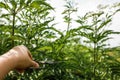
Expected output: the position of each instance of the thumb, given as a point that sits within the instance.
(35, 64)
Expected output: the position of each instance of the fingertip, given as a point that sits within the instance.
(35, 64)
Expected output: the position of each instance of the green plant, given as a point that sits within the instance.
(96, 36)
(79, 53)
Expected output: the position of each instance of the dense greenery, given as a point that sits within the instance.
(79, 53)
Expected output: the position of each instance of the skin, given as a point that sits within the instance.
(18, 58)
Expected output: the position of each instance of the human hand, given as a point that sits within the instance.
(23, 57)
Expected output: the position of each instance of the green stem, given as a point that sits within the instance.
(95, 51)
(13, 28)
(68, 25)
(94, 69)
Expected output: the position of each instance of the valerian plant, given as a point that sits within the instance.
(76, 54)
(23, 22)
(96, 34)
(12, 13)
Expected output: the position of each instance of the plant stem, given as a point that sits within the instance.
(13, 27)
(95, 52)
(68, 26)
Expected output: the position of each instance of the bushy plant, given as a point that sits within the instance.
(79, 53)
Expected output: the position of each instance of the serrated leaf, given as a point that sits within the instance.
(104, 24)
(37, 3)
(14, 4)
(45, 48)
(5, 6)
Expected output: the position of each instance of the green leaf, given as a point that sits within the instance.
(14, 4)
(5, 6)
(2, 5)
(104, 24)
(22, 2)
(38, 3)
(60, 33)
(45, 48)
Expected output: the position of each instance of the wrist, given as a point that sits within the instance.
(10, 59)
(7, 63)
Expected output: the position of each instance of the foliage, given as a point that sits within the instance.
(79, 53)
